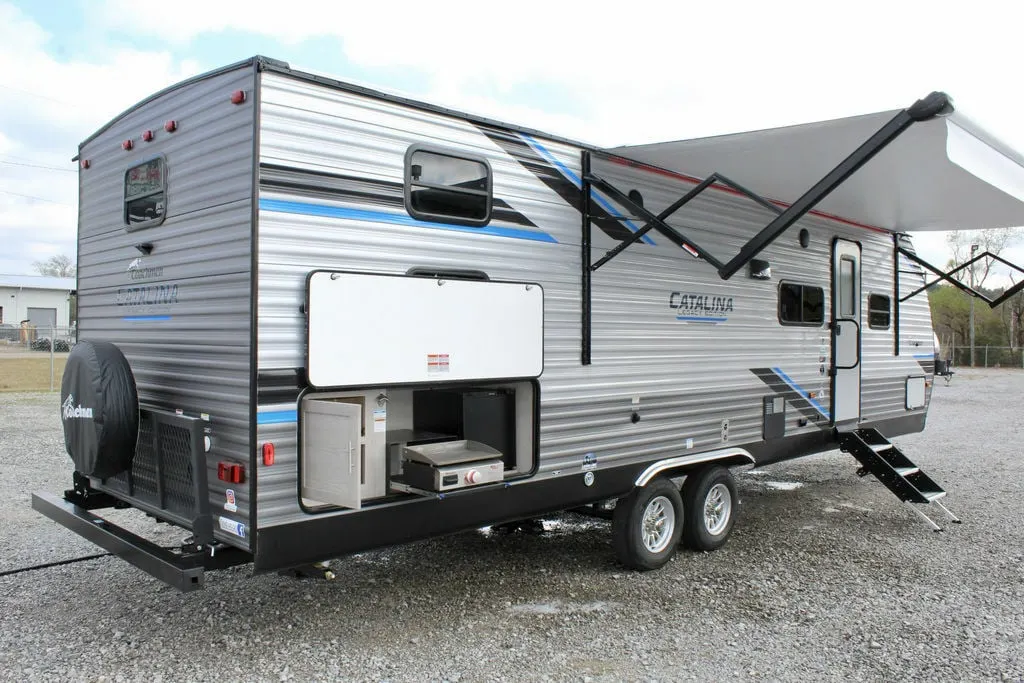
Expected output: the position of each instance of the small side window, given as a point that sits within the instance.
(444, 187)
(879, 307)
(145, 193)
(801, 304)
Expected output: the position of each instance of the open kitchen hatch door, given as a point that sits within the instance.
(368, 330)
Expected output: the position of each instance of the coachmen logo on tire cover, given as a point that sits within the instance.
(99, 409)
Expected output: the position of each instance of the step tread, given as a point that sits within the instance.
(906, 471)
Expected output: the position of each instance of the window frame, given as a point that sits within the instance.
(801, 322)
(408, 184)
(888, 311)
(129, 226)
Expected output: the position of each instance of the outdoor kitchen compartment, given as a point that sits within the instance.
(487, 416)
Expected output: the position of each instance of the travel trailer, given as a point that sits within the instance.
(316, 319)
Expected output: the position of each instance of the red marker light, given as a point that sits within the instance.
(86, 163)
(171, 126)
(127, 145)
(238, 97)
(268, 454)
(231, 472)
(147, 135)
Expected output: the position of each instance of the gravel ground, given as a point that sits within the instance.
(826, 576)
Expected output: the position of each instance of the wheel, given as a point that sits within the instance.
(99, 409)
(646, 525)
(709, 498)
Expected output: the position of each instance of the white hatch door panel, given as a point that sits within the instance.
(369, 330)
(331, 456)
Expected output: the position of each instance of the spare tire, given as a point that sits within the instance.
(99, 408)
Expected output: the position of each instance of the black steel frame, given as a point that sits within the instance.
(948, 277)
(935, 104)
(184, 568)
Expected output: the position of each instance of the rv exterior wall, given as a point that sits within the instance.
(672, 343)
(181, 314)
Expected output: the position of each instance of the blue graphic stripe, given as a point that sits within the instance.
(276, 417)
(324, 210)
(145, 318)
(929, 356)
(578, 182)
(700, 319)
(800, 390)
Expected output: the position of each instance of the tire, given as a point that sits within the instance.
(709, 498)
(99, 409)
(640, 541)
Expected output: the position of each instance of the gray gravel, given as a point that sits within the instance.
(826, 576)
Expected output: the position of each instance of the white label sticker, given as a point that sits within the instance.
(229, 501)
(689, 443)
(232, 527)
(380, 419)
(438, 363)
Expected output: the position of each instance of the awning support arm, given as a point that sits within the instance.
(948, 277)
(933, 105)
(653, 222)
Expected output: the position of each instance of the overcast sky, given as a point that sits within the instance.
(606, 74)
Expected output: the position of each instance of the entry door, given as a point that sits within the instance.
(845, 331)
(42, 318)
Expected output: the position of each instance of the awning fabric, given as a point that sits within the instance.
(941, 174)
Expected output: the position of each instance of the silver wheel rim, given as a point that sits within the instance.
(658, 524)
(717, 509)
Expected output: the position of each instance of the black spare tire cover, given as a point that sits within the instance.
(99, 408)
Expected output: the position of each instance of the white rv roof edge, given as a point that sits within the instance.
(245, 63)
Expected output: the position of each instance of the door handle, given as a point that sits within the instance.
(351, 463)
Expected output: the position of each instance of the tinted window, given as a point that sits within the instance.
(801, 304)
(440, 186)
(879, 307)
(145, 188)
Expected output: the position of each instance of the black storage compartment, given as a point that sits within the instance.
(484, 415)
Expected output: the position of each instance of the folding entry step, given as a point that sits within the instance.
(880, 457)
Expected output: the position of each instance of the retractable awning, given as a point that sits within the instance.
(945, 173)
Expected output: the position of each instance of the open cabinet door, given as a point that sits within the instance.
(330, 451)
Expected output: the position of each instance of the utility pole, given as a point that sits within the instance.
(974, 248)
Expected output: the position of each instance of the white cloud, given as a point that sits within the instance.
(47, 107)
(637, 72)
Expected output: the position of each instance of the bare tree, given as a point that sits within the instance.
(994, 241)
(56, 266)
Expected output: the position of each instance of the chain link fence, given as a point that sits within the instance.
(32, 358)
(989, 357)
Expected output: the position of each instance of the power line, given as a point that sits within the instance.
(28, 196)
(33, 94)
(47, 168)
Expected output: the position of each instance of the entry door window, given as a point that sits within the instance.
(847, 289)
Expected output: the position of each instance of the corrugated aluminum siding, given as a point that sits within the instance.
(191, 354)
(688, 376)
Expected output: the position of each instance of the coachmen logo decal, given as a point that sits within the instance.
(700, 308)
(71, 411)
(137, 270)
